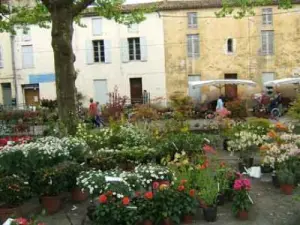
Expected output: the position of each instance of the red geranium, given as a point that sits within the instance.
(180, 188)
(149, 195)
(21, 221)
(102, 199)
(209, 149)
(183, 182)
(155, 185)
(192, 192)
(125, 201)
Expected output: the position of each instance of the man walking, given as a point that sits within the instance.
(93, 111)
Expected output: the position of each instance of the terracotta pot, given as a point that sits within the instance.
(287, 188)
(78, 195)
(187, 219)
(147, 222)
(167, 221)
(7, 212)
(242, 215)
(51, 203)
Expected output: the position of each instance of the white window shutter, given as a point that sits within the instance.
(97, 26)
(144, 49)
(1, 57)
(27, 56)
(89, 52)
(107, 51)
(124, 50)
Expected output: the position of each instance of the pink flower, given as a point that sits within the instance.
(155, 185)
(21, 221)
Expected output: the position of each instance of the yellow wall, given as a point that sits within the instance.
(247, 60)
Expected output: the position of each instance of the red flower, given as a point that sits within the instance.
(21, 221)
(192, 192)
(180, 188)
(102, 199)
(155, 185)
(109, 193)
(125, 201)
(149, 195)
(183, 182)
(209, 149)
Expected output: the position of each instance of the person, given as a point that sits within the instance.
(93, 111)
(99, 120)
(145, 97)
(220, 104)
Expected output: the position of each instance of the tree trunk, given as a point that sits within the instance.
(64, 58)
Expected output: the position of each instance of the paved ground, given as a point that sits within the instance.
(270, 207)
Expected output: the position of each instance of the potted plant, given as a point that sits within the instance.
(286, 180)
(167, 204)
(49, 183)
(188, 203)
(209, 194)
(72, 172)
(241, 202)
(14, 190)
(223, 182)
(146, 209)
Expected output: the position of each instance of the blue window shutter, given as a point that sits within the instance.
(89, 52)
(107, 51)
(124, 50)
(97, 26)
(144, 49)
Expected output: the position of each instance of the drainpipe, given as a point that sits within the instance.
(12, 46)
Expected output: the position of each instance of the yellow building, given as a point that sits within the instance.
(199, 46)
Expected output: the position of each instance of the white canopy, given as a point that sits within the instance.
(282, 81)
(221, 82)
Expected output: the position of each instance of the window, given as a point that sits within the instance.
(230, 45)
(99, 52)
(267, 42)
(193, 45)
(192, 20)
(27, 56)
(267, 16)
(97, 26)
(133, 28)
(26, 34)
(134, 48)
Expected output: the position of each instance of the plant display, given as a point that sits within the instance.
(76, 147)
(241, 200)
(14, 190)
(24, 221)
(150, 173)
(237, 108)
(92, 181)
(286, 176)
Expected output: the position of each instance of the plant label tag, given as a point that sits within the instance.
(250, 199)
(113, 179)
(8, 221)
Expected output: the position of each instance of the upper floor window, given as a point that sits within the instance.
(267, 16)
(230, 45)
(267, 47)
(27, 56)
(192, 20)
(134, 48)
(193, 45)
(97, 26)
(99, 52)
(26, 35)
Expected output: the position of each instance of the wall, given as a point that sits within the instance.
(116, 72)
(213, 62)
(6, 72)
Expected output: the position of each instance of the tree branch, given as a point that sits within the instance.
(80, 6)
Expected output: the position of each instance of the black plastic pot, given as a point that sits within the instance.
(248, 162)
(241, 167)
(221, 199)
(225, 144)
(210, 214)
(266, 169)
(275, 181)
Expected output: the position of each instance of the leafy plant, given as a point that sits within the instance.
(237, 108)
(92, 181)
(14, 190)
(286, 176)
(294, 110)
(209, 189)
(241, 200)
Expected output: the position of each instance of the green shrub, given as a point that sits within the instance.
(237, 108)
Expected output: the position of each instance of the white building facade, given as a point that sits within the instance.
(108, 55)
